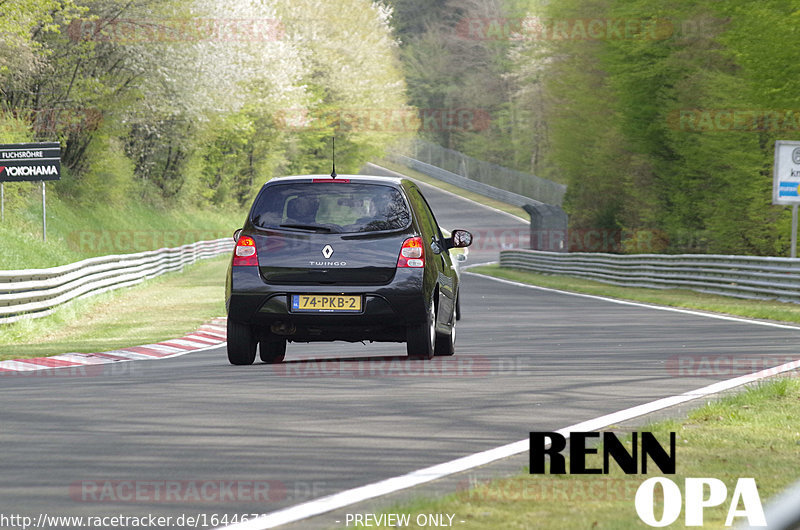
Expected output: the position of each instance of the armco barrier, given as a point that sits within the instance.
(739, 276)
(462, 182)
(35, 293)
(782, 512)
(476, 175)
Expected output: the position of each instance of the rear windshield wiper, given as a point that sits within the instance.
(311, 228)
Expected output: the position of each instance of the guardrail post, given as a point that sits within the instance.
(548, 227)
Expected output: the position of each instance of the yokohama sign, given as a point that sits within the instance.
(30, 162)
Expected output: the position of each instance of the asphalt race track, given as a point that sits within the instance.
(338, 416)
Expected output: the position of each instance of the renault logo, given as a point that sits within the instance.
(327, 251)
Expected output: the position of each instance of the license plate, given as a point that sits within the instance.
(325, 303)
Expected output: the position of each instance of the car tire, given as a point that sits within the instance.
(272, 351)
(241, 343)
(458, 307)
(446, 344)
(421, 338)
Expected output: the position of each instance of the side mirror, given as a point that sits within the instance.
(236, 235)
(460, 239)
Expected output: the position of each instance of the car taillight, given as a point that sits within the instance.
(245, 252)
(411, 253)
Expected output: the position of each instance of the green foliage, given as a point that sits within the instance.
(13, 130)
(83, 228)
(243, 152)
(147, 108)
(20, 22)
(607, 114)
(707, 190)
(448, 68)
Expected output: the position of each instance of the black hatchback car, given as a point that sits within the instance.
(350, 258)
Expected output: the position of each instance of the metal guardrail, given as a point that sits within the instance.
(497, 176)
(738, 276)
(35, 293)
(782, 512)
(462, 182)
(498, 182)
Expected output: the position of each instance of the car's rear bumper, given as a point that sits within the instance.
(387, 310)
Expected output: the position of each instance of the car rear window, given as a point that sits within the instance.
(331, 207)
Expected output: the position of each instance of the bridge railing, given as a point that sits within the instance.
(495, 181)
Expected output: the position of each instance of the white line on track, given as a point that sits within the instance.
(198, 338)
(185, 341)
(637, 304)
(428, 474)
(214, 332)
(79, 358)
(18, 366)
(181, 353)
(377, 489)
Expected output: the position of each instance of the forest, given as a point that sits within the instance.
(660, 116)
(193, 102)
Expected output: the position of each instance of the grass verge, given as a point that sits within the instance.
(761, 309)
(416, 175)
(159, 309)
(78, 231)
(750, 434)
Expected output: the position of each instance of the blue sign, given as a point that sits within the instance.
(786, 173)
(788, 189)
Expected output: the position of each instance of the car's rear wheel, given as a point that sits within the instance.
(446, 344)
(421, 339)
(272, 351)
(241, 343)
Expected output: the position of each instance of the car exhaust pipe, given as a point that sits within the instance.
(283, 328)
